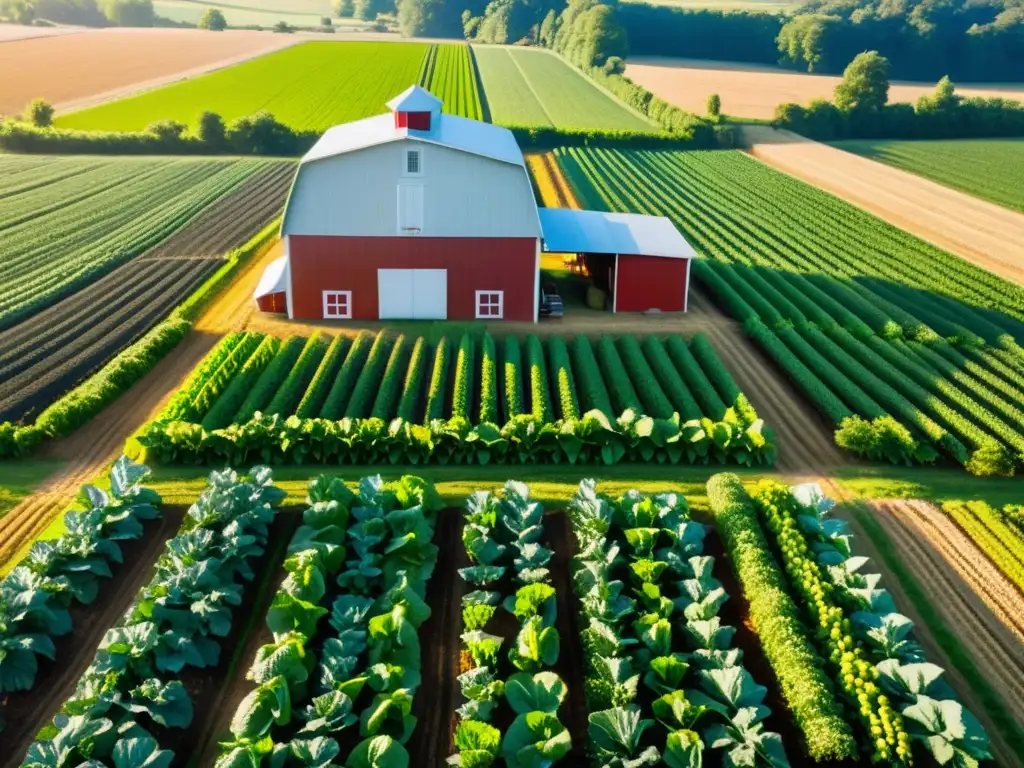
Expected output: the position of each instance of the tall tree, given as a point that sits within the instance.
(865, 85)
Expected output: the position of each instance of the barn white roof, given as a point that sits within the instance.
(414, 99)
(275, 278)
(570, 231)
(446, 130)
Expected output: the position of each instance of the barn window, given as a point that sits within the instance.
(338, 305)
(490, 305)
(413, 162)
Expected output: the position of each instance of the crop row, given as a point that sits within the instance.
(345, 654)
(926, 358)
(86, 235)
(449, 73)
(894, 696)
(135, 696)
(656, 648)
(629, 399)
(504, 539)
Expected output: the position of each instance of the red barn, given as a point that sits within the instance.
(415, 214)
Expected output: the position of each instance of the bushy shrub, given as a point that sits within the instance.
(992, 459)
(882, 439)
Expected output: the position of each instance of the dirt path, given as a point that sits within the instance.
(26, 712)
(983, 233)
(804, 440)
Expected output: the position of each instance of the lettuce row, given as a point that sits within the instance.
(378, 542)
(35, 596)
(879, 666)
(502, 535)
(652, 604)
(593, 439)
(174, 622)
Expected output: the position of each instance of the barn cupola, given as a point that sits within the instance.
(416, 109)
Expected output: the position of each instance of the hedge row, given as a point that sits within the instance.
(707, 396)
(620, 388)
(391, 385)
(438, 382)
(288, 396)
(316, 392)
(671, 382)
(345, 382)
(562, 378)
(271, 379)
(462, 393)
(512, 373)
(652, 398)
(412, 389)
(593, 395)
(228, 404)
(221, 379)
(488, 381)
(776, 618)
(365, 391)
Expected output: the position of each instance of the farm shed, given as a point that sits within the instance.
(648, 261)
(415, 214)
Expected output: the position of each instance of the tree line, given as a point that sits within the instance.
(860, 109)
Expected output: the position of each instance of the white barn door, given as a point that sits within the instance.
(412, 294)
(410, 209)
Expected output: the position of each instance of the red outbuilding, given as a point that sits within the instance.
(415, 214)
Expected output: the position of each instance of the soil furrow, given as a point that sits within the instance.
(27, 712)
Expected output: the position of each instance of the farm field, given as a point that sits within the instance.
(265, 14)
(536, 88)
(72, 69)
(987, 168)
(754, 91)
(54, 243)
(481, 589)
(985, 234)
(449, 74)
(866, 324)
(440, 390)
(309, 87)
(46, 355)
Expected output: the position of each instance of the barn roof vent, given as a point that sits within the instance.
(415, 108)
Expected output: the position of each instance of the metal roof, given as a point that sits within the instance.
(570, 231)
(446, 130)
(415, 99)
(275, 278)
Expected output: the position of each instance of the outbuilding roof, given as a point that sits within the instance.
(450, 131)
(274, 279)
(571, 231)
(415, 99)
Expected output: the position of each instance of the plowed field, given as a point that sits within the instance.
(68, 70)
(975, 601)
(45, 356)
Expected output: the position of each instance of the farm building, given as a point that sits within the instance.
(415, 214)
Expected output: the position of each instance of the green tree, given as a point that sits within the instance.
(39, 112)
(944, 99)
(344, 9)
(804, 39)
(865, 85)
(168, 130)
(548, 29)
(211, 129)
(129, 13)
(19, 11)
(213, 20)
(714, 106)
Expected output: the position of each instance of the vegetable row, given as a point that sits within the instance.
(390, 398)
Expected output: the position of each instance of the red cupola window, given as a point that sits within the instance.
(415, 121)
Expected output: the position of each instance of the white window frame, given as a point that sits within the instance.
(501, 305)
(405, 162)
(347, 295)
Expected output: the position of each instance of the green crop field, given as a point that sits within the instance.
(311, 86)
(866, 319)
(67, 220)
(537, 88)
(992, 169)
(343, 394)
(449, 74)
